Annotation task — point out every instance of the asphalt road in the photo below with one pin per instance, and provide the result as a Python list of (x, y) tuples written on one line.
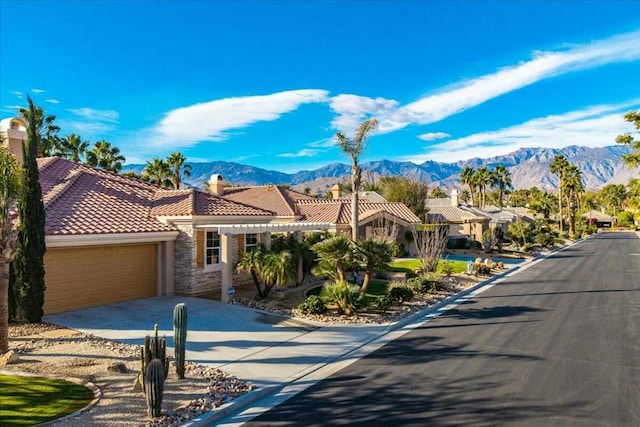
[(557, 344)]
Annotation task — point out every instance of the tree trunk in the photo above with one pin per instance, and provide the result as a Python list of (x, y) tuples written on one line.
[(354, 208), (4, 306)]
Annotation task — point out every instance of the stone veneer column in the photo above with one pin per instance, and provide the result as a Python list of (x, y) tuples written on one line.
[(185, 264)]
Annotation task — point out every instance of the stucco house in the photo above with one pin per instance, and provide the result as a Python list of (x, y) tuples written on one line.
[(463, 220)]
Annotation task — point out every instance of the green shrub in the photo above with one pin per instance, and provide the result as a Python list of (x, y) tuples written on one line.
[(527, 247), (343, 295), (410, 275), (400, 293), (313, 305), (423, 284), (544, 239), (558, 241), (447, 268), (383, 302), (625, 219)]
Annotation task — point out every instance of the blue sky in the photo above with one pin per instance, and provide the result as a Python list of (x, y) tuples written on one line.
[(268, 83)]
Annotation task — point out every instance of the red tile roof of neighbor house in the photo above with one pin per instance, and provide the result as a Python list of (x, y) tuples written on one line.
[(279, 200), (80, 199), (339, 211)]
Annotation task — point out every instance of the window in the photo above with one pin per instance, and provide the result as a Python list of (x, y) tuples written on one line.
[(250, 241), (212, 248)]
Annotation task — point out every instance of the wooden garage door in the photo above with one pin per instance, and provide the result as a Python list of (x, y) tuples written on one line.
[(92, 276)]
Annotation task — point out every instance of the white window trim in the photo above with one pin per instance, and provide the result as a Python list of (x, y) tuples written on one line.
[(212, 267), (248, 248)]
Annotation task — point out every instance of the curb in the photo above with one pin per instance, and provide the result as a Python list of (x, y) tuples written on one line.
[(97, 392), (208, 418)]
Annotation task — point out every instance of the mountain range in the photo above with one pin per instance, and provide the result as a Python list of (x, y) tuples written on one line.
[(528, 166)]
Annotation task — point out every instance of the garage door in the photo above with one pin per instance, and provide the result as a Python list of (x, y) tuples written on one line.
[(92, 276)]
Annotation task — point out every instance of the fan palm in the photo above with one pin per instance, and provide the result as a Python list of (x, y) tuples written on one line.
[(335, 252), (71, 147), (373, 254), (574, 187), (158, 172), (104, 156), (176, 162), (354, 147), (502, 178), (467, 175), (557, 167), (46, 130)]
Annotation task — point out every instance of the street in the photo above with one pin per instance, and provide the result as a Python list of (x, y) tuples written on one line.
[(556, 344)]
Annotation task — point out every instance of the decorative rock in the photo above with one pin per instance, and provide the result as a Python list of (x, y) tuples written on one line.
[(118, 367), (9, 357)]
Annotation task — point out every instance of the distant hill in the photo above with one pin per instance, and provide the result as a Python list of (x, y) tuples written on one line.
[(528, 167)]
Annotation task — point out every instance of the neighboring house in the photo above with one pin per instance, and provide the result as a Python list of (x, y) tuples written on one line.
[(600, 220), (112, 238), (463, 220), (13, 131)]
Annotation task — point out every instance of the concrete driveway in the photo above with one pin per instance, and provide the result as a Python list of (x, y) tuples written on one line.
[(218, 333)]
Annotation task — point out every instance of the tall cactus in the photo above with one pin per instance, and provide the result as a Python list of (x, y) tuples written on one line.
[(154, 348), (180, 318), (154, 384)]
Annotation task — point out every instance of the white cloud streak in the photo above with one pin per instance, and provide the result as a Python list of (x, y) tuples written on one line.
[(52, 101), (467, 94), (89, 122), (108, 116), (211, 121), (38, 91), (305, 152), (18, 94), (591, 127), (432, 136), (352, 109)]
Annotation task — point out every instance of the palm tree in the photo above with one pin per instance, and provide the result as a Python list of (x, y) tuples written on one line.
[(467, 175), (354, 148), (631, 159), (302, 256), (334, 253), (465, 196), (278, 269), (104, 156), (176, 162), (71, 147), (158, 172), (46, 130), (10, 181), (483, 179), (374, 254), (557, 167), (438, 193), (573, 185), (502, 178), (251, 262)]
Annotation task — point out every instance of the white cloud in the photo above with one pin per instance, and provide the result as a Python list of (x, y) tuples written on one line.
[(211, 121), (352, 109), (432, 136), (591, 127), (52, 101), (543, 65), (108, 116), (305, 152), (38, 90), (17, 93)]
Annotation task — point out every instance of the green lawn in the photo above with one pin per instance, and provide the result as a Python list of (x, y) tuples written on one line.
[(411, 265), (26, 401)]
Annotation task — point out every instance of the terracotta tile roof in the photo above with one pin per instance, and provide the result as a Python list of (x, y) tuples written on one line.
[(278, 200), (339, 211), (209, 204), (82, 200), (455, 213)]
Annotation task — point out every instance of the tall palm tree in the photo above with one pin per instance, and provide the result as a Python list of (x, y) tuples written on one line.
[(251, 262), (467, 174), (334, 253), (10, 181), (354, 147), (158, 172), (46, 130), (374, 254), (71, 147), (631, 159), (557, 167), (502, 178), (278, 269), (176, 162), (483, 179), (104, 156), (572, 182)]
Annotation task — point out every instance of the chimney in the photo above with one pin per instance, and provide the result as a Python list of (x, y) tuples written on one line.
[(14, 132), (454, 197), (216, 185), (335, 192)]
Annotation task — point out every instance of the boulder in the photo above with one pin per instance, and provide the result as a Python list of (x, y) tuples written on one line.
[(9, 357), (118, 367)]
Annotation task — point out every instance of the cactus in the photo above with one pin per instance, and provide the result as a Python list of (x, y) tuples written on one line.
[(154, 384), (154, 348), (180, 318)]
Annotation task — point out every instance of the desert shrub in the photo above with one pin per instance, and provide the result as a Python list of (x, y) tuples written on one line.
[(558, 241), (383, 302), (313, 305), (410, 275), (447, 268), (544, 239), (400, 292), (481, 269), (527, 247), (625, 219), (424, 284)]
